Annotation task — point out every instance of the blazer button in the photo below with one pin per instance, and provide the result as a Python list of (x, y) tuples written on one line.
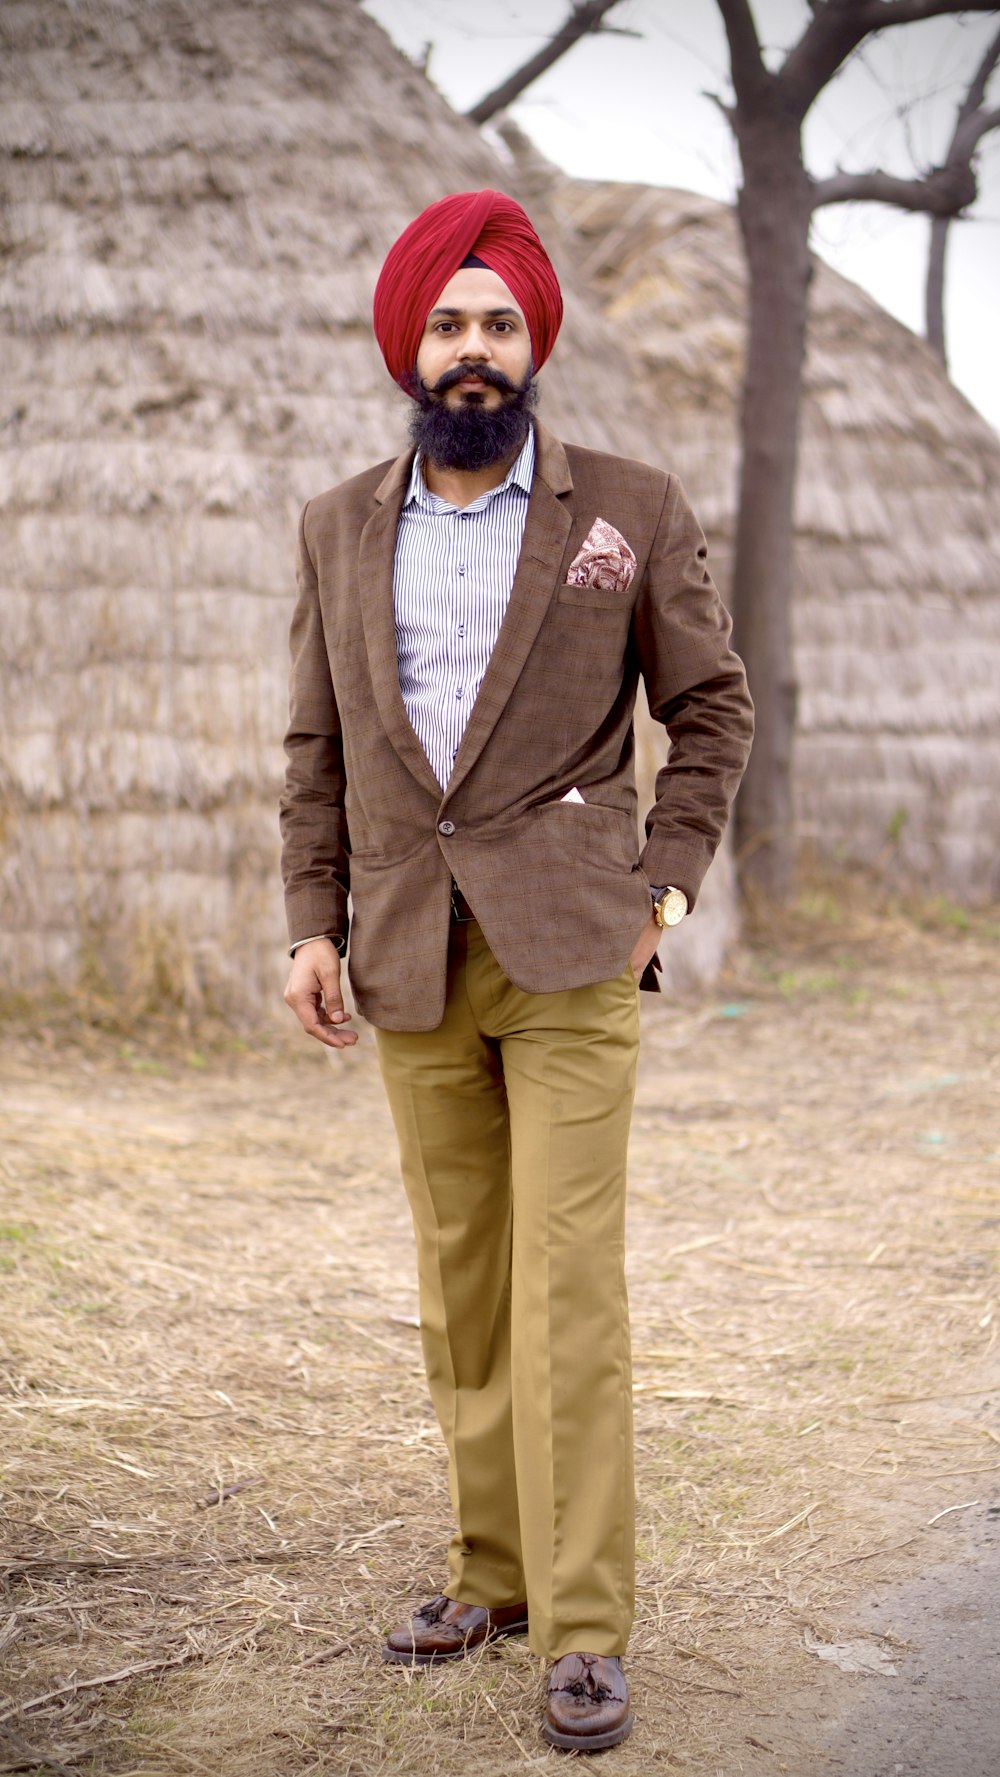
[(447, 828)]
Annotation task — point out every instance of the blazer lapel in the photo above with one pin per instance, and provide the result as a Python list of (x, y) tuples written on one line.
[(376, 555), (546, 532)]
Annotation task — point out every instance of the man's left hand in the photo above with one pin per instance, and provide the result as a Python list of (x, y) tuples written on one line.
[(645, 947)]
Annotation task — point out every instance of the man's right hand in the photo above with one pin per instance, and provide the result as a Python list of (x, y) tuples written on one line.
[(313, 992)]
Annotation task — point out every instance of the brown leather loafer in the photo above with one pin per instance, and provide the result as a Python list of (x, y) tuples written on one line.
[(446, 1629), (587, 1708)]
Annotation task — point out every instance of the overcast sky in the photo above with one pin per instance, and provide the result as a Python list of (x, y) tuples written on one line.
[(634, 108)]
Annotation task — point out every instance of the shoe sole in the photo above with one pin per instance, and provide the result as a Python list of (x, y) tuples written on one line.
[(588, 1742), (460, 1653)]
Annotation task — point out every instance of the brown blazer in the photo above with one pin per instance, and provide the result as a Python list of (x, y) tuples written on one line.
[(560, 888)]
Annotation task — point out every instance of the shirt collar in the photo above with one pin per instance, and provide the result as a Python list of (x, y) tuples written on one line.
[(518, 475)]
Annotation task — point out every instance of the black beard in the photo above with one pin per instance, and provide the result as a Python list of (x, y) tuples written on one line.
[(472, 436)]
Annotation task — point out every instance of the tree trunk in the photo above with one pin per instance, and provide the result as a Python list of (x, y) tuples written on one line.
[(774, 212), (934, 305)]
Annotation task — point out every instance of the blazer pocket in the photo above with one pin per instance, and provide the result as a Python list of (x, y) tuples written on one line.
[(600, 830), (360, 837), (593, 596)]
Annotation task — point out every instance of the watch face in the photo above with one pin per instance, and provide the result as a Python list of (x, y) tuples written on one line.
[(672, 905)]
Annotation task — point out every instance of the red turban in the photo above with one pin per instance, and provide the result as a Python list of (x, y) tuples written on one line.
[(429, 253)]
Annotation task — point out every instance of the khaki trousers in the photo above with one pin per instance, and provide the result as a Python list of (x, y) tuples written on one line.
[(513, 1121)]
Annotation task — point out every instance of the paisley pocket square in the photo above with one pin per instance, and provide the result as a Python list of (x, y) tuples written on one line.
[(604, 560)]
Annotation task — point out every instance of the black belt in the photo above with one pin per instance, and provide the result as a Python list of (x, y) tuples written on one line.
[(461, 912)]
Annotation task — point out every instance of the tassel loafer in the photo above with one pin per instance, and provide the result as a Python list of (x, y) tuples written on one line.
[(446, 1629), (587, 1708)]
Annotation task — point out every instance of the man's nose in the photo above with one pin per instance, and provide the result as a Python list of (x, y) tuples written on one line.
[(475, 344)]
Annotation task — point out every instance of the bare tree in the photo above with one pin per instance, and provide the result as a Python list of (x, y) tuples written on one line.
[(971, 125), (775, 205)]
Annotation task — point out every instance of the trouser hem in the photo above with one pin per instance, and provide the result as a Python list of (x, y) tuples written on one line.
[(551, 1641)]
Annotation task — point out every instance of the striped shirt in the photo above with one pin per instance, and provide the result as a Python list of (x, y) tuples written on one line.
[(452, 579)]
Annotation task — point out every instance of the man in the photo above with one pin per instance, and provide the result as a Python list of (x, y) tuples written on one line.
[(471, 624)]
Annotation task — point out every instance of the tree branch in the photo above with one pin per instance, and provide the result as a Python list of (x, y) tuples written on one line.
[(967, 140), (717, 99), (745, 60), (980, 80), (835, 31), (945, 191), (832, 34), (971, 125), (583, 18), (934, 332), (878, 15)]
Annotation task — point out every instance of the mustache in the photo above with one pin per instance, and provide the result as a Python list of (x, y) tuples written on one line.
[(487, 373)]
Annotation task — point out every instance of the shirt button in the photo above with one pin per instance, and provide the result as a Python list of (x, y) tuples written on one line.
[(447, 828)]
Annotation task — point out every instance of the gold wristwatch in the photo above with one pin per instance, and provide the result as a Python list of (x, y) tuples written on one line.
[(669, 906)]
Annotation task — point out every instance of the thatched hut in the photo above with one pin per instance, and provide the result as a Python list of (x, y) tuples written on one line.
[(197, 201)]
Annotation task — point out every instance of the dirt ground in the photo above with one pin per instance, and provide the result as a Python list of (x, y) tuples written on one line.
[(220, 1475)]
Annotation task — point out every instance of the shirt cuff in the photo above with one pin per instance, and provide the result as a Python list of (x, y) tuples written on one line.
[(339, 944)]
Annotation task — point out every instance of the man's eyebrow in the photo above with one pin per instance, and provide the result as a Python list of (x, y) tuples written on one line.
[(491, 314)]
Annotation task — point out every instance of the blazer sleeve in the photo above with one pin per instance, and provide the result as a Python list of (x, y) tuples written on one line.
[(315, 855), (696, 686)]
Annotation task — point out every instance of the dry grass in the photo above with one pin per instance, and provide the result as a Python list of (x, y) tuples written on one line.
[(221, 1479)]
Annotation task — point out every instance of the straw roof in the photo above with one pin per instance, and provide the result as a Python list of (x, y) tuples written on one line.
[(198, 198)]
